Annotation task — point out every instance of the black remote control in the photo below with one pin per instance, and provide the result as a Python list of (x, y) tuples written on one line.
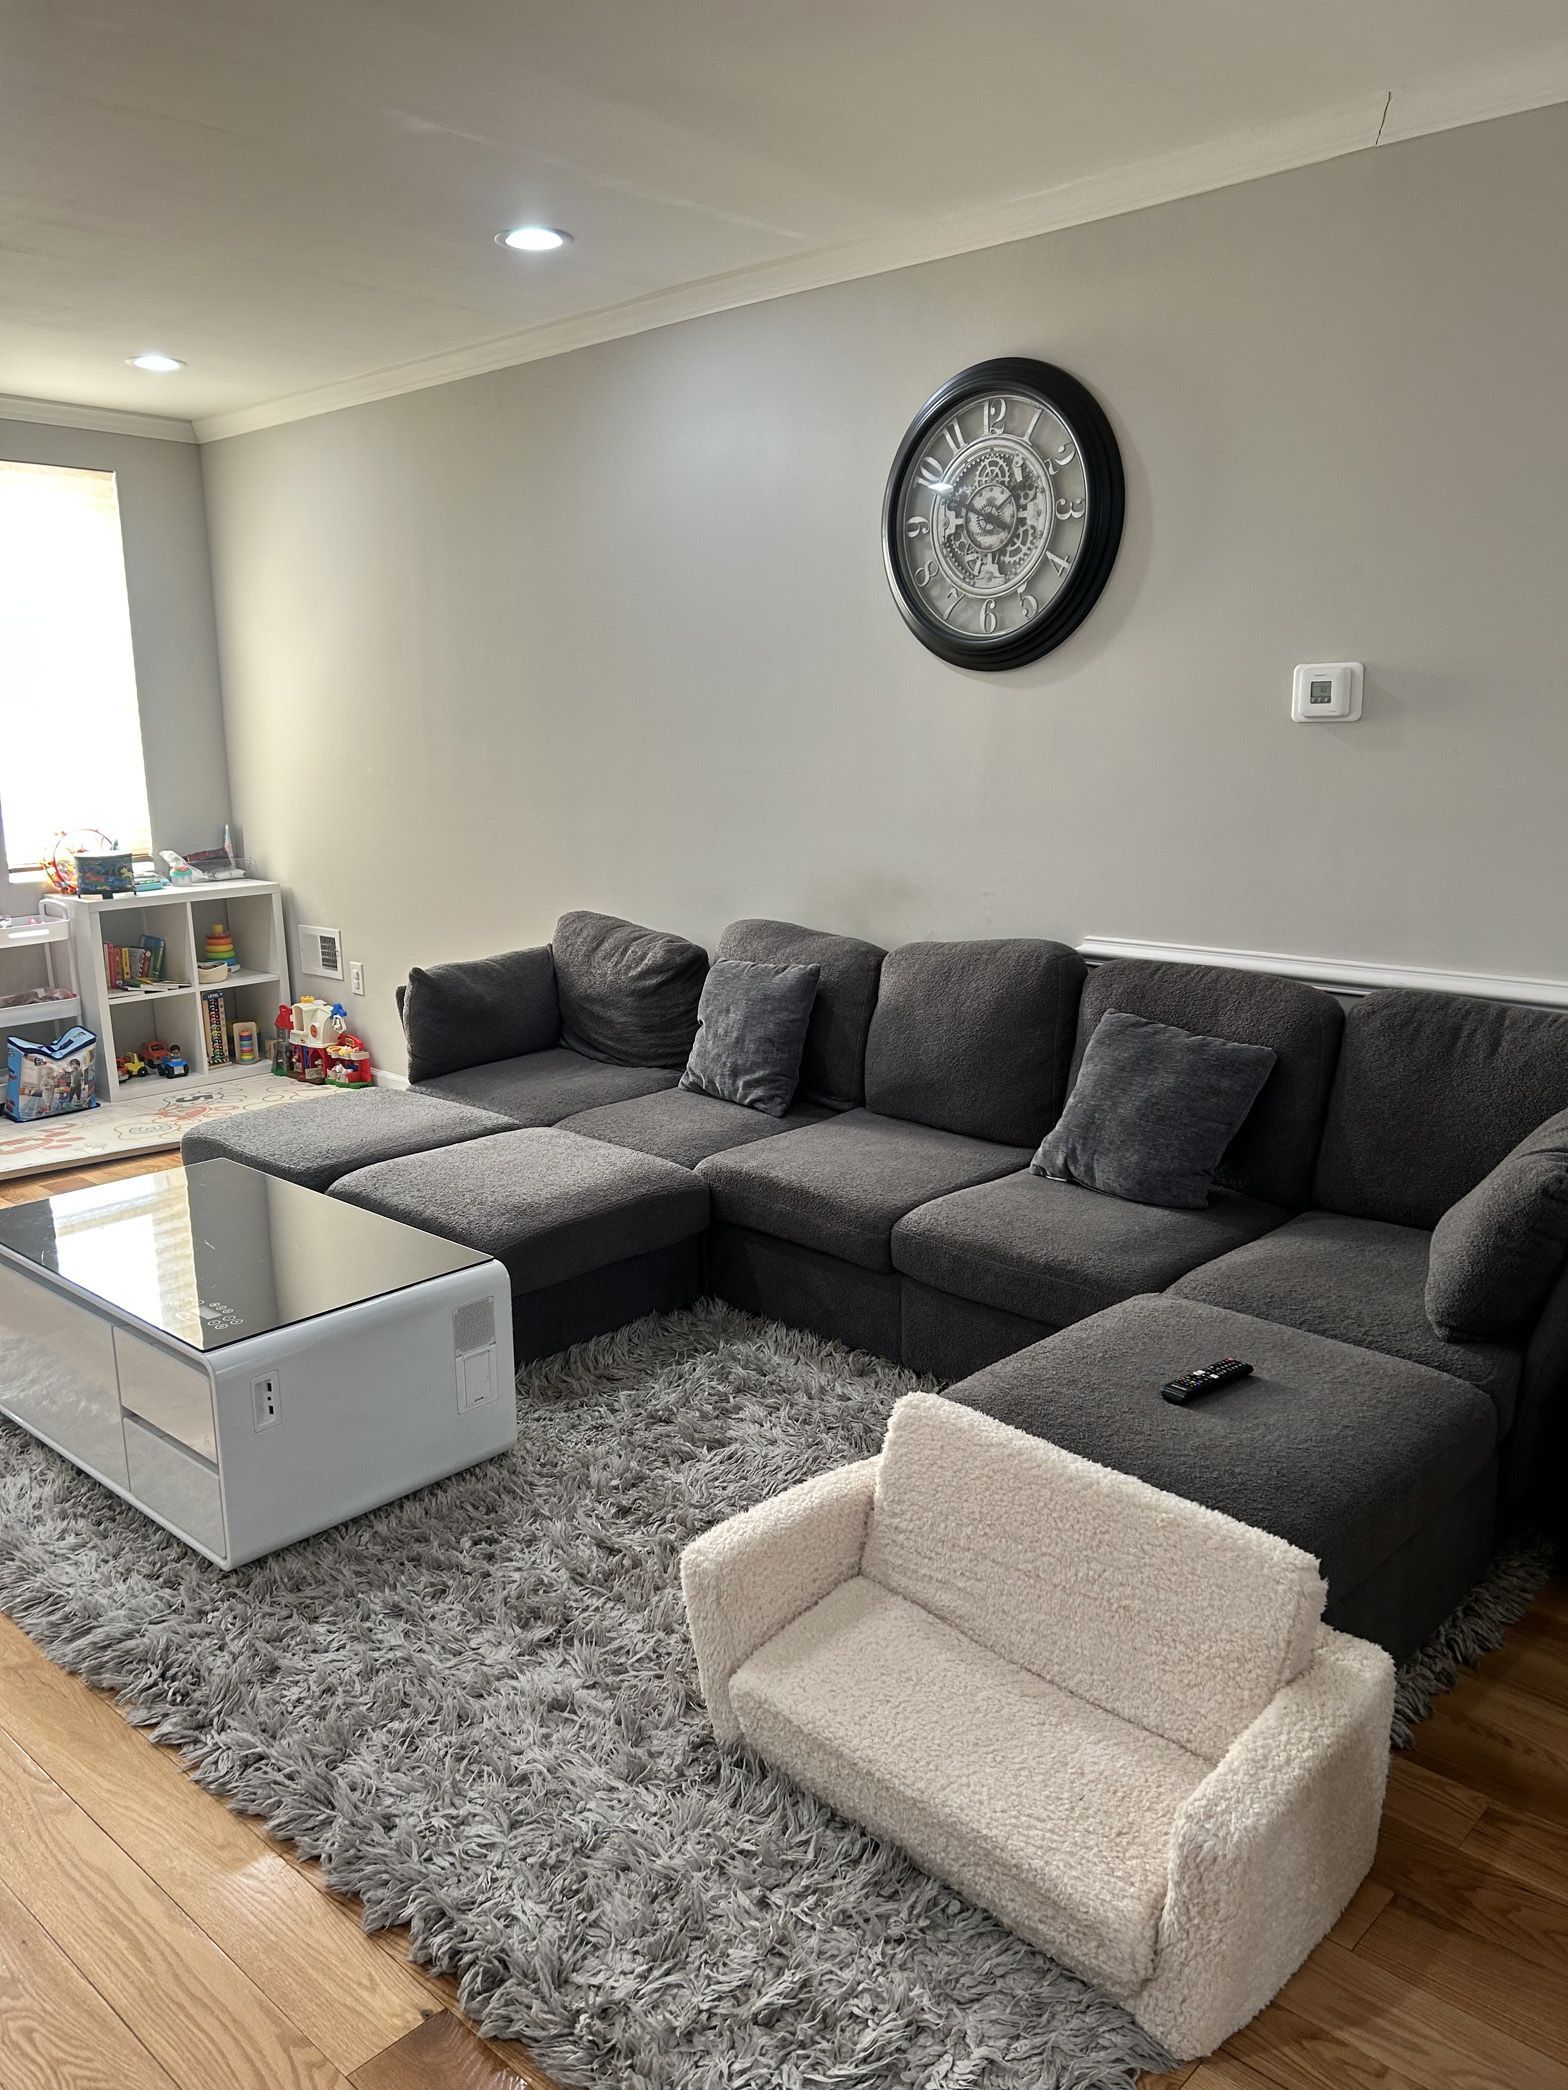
[(1188, 1389)]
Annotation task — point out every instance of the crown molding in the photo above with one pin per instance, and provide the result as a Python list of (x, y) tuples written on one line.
[(1378, 120), (1344, 976), (1218, 164), (1512, 88), (107, 420)]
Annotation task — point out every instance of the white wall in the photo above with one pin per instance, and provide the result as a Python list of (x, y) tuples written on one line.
[(612, 630), (168, 582)]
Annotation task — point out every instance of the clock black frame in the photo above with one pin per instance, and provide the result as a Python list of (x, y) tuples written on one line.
[(1102, 463)]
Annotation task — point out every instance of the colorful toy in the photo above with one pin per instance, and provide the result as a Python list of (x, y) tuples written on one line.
[(283, 1025), (156, 1050), (215, 1027), (245, 1039), (350, 1068), (173, 1067), (218, 947), (60, 864), (129, 1065)]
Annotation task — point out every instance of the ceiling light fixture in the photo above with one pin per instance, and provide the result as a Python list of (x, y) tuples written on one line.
[(533, 239), (154, 359)]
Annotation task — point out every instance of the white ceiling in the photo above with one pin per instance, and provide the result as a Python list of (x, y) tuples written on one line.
[(299, 197)]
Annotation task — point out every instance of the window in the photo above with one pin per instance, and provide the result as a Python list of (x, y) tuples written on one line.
[(70, 735)]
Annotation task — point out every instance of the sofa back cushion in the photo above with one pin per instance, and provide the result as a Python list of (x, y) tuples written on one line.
[(1271, 1156), (475, 1010), (628, 995), (833, 1065), (1151, 1607), (1432, 1091), (976, 1037)]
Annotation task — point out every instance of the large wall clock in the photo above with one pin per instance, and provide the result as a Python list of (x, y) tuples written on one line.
[(1003, 513)]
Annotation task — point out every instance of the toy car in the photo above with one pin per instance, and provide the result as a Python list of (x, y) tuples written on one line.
[(156, 1051), (172, 1065), (130, 1064)]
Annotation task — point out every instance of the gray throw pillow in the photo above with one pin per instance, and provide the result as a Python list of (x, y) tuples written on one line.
[(1496, 1254), (628, 995), (751, 1032), (1152, 1111), (475, 1010)]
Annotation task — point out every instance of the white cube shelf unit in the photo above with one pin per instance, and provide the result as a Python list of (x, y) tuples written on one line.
[(251, 909)]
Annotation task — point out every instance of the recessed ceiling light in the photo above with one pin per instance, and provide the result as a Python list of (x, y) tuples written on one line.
[(154, 359), (533, 239)]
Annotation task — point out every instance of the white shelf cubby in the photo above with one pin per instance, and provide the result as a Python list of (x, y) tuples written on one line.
[(251, 909)]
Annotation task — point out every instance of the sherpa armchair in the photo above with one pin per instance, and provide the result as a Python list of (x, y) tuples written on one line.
[(1110, 1716)]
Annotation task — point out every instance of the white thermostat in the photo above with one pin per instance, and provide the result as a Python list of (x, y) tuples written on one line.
[(1327, 689)]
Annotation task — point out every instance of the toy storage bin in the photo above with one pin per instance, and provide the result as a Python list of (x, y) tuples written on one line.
[(51, 1081)]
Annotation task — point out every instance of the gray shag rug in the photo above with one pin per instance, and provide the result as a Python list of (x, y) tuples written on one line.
[(478, 1709)]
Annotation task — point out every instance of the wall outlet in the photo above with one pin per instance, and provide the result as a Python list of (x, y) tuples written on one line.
[(264, 1399), (356, 976)]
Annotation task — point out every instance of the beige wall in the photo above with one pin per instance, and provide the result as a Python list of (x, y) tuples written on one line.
[(612, 630), (163, 525)]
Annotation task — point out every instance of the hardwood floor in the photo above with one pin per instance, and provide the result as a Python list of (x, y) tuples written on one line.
[(152, 1940)]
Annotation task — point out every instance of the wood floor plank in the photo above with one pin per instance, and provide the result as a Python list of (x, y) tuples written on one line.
[(1459, 1888), (1223, 2071), (441, 2055), (1504, 1743), (1425, 1800), (1366, 1905), (190, 2005), (1173, 2078), (307, 1952), (1533, 1658), (1533, 1851), (1527, 2002), (1411, 2028), (1291, 2054), (56, 2031)]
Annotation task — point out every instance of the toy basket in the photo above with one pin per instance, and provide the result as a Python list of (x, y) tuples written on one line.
[(51, 1081)]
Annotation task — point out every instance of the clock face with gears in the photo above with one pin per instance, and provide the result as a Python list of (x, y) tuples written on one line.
[(1003, 513)]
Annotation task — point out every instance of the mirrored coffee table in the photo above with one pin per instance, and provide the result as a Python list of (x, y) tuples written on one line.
[(245, 1360)]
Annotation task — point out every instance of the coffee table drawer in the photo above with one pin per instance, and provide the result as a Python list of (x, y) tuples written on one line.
[(175, 1397), (59, 1373), (175, 1485)]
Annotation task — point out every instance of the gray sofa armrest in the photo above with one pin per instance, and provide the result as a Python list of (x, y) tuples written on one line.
[(747, 1578), (476, 1010)]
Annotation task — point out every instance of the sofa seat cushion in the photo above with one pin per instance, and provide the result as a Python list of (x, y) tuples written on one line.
[(547, 1204), (541, 1088), (869, 1702), (1054, 1251), (681, 1125), (1342, 1451), (1360, 1281), (843, 1185), (316, 1139)]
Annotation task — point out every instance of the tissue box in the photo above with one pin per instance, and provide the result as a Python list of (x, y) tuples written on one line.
[(50, 1081)]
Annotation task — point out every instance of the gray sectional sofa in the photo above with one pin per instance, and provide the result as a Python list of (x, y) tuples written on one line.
[(893, 1207)]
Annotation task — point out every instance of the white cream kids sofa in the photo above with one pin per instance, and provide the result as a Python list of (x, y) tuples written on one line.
[(1109, 1715)]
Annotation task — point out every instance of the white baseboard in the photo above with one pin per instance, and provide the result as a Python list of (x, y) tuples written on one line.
[(1347, 976), (387, 1080)]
